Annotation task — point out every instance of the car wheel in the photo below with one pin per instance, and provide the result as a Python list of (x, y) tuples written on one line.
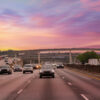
[(9, 72), (23, 72), (40, 76), (53, 76), (32, 72)]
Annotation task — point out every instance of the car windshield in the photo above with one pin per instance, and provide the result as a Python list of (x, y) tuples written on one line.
[(4, 66), (46, 67), (27, 66), (17, 66)]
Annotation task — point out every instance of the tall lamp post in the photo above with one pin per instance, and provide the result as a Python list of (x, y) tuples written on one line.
[(39, 58)]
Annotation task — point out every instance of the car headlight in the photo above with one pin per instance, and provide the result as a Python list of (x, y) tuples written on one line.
[(37, 66), (52, 71), (41, 71)]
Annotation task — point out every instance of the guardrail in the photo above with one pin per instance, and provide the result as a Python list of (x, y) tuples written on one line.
[(90, 68)]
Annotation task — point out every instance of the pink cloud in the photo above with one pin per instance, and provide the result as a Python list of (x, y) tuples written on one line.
[(74, 29), (79, 40), (92, 4), (41, 20)]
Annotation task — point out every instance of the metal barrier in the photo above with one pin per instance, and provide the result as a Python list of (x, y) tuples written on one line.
[(90, 68)]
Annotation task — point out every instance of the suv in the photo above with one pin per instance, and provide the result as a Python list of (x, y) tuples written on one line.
[(27, 68), (60, 66), (5, 69), (47, 70), (17, 68)]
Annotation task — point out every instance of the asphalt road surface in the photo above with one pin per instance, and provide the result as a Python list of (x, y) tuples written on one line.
[(67, 85)]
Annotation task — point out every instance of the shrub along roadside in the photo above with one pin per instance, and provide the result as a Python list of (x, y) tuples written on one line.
[(84, 57)]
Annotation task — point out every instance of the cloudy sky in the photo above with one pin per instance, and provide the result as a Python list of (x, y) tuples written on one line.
[(34, 24)]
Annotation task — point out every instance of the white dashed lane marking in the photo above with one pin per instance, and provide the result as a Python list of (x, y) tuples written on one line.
[(69, 83), (20, 91), (85, 98)]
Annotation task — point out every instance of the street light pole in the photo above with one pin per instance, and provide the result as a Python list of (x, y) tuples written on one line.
[(39, 58)]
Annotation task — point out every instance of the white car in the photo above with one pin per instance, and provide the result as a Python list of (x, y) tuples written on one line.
[(5, 69), (47, 70), (27, 68)]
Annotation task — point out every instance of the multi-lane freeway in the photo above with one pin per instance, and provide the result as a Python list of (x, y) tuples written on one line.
[(67, 85)]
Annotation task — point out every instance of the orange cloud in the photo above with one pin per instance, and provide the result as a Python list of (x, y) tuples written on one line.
[(14, 37)]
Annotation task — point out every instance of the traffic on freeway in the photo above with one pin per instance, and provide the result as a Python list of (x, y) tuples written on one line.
[(49, 49), (47, 83)]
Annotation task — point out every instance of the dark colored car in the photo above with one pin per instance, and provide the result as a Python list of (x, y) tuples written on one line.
[(18, 69), (60, 66), (5, 69), (36, 66), (47, 71)]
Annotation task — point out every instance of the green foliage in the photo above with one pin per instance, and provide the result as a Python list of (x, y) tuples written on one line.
[(84, 57)]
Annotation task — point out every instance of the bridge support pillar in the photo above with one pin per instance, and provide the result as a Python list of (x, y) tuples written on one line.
[(70, 57), (39, 58)]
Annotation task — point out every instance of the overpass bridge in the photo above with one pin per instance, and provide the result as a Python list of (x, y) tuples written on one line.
[(37, 54), (66, 49)]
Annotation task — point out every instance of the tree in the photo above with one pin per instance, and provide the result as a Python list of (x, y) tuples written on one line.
[(84, 57)]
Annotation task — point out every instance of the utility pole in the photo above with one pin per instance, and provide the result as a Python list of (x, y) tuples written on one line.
[(30, 61), (39, 58)]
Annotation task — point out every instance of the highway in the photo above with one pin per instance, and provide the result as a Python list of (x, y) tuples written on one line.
[(67, 85)]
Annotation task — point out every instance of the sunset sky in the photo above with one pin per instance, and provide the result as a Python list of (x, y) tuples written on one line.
[(35, 24)]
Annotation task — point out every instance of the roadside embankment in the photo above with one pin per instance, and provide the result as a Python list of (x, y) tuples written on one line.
[(87, 70)]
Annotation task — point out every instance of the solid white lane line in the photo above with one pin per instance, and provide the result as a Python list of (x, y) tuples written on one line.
[(69, 83), (20, 91), (84, 96)]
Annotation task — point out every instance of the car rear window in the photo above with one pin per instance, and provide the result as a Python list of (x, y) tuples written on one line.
[(27, 66), (4, 66)]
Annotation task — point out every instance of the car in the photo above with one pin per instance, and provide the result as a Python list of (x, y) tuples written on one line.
[(27, 68), (36, 66), (60, 66), (5, 69), (47, 70), (17, 68)]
